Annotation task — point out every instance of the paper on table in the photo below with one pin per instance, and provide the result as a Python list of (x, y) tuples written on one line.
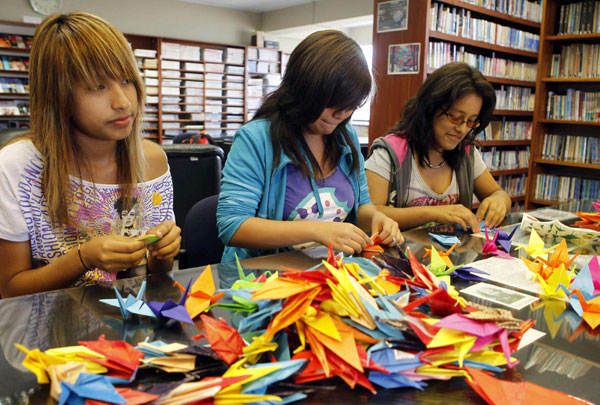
[(529, 337), (513, 273), (499, 295), (550, 214)]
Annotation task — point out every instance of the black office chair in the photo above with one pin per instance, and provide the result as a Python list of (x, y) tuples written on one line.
[(6, 134), (200, 238), (196, 172)]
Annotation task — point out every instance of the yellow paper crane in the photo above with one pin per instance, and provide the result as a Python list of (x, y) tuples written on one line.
[(535, 246)]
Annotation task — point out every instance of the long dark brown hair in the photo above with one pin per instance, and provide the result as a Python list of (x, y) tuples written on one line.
[(326, 70), (441, 89)]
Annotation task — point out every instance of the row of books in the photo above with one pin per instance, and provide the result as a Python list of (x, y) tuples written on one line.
[(582, 17), (15, 41), (507, 130), (513, 185), (14, 63), (502, 159), (13, 108), (527, 10), (576, 105), (570, 148), (266, 55), (576, 60), (441, 53), (14, 85), (514, 98), (550, 187), (459, 22)]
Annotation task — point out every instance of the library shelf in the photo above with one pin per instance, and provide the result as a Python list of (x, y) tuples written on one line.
[(565, 122), (14, 73), (508, 172), (508, 142), (480, 44), (564, 163), (543, 202), (573, 38), (514, 112), (511, 82), (571, 79), (551, 44), (506, 18), (22, 51), (14, 95), (14, 117)]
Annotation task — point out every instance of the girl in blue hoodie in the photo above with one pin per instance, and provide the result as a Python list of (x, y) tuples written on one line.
[(294, 175)]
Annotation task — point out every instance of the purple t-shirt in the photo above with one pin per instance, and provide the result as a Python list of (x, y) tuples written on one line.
[(335, 193)]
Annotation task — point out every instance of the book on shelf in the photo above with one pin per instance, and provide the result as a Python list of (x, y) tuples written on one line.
[(576, 60), (505, 130), (527, 10), (14, 63), (13, 108), (571, 148), (582, 17), (144, 53), (501, 159), (575, 105), (514, 98), (442, 53), (551, 187)]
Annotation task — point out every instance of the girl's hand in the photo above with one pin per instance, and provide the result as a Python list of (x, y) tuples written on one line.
[(493, 209), (456, 214), (343, 236), (170, 240), (112, 253), (387, 228)]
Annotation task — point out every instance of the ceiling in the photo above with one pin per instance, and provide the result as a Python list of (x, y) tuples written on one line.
[(257, 6)]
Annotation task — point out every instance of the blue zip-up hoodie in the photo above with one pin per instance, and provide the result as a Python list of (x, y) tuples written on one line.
[(252, 187)]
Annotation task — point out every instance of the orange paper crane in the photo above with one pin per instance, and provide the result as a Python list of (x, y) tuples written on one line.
[(444, 255), (201, 295), (591, 309), (559, 256)]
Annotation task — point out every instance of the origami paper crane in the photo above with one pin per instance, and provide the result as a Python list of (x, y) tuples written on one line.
[(172, 310), (440, 264), (196, 392), (131, 305), (490, 247), (496, 391), (504, 240), (535, 246), (223, 339), (590, 308), (132, 397), (589, 220), (444, 240), (201, 295), (122, 359), (89, 386), (68, 372)]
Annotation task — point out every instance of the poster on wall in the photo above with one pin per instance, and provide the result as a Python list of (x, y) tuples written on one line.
[(403, 59), (392, 16)]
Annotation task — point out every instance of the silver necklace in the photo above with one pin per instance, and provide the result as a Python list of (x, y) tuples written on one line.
[(428, 163)]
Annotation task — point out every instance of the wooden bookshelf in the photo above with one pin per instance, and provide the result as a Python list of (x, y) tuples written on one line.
[(13, 101), (393, 91), (546, 161)]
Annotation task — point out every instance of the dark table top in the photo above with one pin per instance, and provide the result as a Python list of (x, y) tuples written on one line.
[(566, 358)]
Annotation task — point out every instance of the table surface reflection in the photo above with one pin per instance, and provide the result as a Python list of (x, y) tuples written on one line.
[(566, 358)]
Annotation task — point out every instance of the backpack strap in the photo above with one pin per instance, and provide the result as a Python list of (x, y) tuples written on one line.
[(398, 149), (464, 177)]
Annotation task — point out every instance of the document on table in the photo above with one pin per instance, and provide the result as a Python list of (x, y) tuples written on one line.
[(513, 273), (499, 295)]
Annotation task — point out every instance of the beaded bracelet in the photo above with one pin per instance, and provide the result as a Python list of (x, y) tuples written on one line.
[(81, 258)]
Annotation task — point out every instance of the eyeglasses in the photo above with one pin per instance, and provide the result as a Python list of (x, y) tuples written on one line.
[(459, 121)]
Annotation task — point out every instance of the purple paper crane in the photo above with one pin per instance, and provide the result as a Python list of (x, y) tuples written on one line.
[(172, 310)]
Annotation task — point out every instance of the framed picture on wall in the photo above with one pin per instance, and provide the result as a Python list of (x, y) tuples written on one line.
[(392, 15), (403, 59)]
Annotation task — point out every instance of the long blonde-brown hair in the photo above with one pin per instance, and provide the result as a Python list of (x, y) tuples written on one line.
[(68, 49)]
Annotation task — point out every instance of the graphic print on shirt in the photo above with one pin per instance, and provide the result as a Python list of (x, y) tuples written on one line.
[(93, 210)]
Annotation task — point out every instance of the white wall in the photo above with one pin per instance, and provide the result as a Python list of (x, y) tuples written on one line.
[(321, 11), (166, 18)]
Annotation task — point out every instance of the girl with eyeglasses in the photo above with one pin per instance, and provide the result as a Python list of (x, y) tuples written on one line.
[(427, 169)]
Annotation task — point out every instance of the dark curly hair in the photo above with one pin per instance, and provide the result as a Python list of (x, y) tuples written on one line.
[(441, 89), (326, 70)]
